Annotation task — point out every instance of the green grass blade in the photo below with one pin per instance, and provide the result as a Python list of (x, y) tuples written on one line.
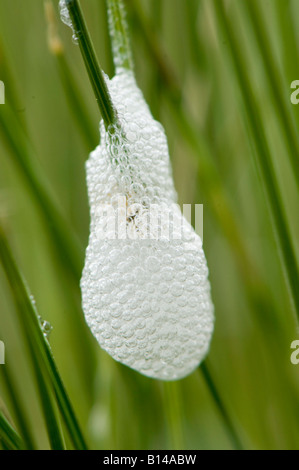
[(208, 174), (264, 162), (88, 130), (20, 414), (17, 142), (286, 28), (65, 242), (209, 180), (64, 404), (172, 404), (92, 66), (52, 423), (122, 55), (8, 436), (235, 439), (12, 94), (274, 80), (72, 92), (260, 299), (33, 330), (155, 47)]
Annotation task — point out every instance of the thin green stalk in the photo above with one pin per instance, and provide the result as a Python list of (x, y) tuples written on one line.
[(236, 441), (33, 330), (94, 71), (208, 174), (264, 162), (192, 14), (122, 55), (286, 22), (18, 408), (211, 185), (65, 243), (89, 131), (52, 423), (8, 436), (172, 401), (123, 59), (72, 92), (69, 251), (274, 80), (11, 92), (158, 55), (256, 290)]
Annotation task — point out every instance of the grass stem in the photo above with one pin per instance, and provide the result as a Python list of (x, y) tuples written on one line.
[(174, 415), (94, 71), (236, 441), (122, 55), (263, 160), (31, 326), (75, 99), (8, 436)]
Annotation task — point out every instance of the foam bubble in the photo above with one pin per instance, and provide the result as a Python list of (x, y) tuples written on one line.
[(66, 19)]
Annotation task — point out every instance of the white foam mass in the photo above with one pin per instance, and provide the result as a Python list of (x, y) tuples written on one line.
[(146, 295)]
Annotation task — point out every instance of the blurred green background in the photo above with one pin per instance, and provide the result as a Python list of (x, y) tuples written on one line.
[(217, 74)]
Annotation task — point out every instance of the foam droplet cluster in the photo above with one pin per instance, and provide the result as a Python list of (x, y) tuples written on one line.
[(146, 295), (65, 18)]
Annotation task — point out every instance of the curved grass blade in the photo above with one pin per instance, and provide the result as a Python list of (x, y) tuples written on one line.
[(209, 180), (264, 162), (8, 436), (65, 243), (92, 66), (52, 423), (256, 290), (118, 29), (33, 330), (208, 173), (172, 403), (235, 439), (275, 87), (20, 413), (11, 92), (72, 91), (286, 24), (160, 59), (16, 139)]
